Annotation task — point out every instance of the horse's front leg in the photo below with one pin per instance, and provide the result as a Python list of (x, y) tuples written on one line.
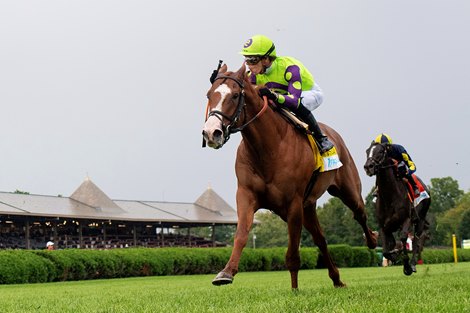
[(294, 226), (388, 244), (245, 210), (407, 269)]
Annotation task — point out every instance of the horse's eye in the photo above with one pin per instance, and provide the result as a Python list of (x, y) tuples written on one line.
[(235, 96)]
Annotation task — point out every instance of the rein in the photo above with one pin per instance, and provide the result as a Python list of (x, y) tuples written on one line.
[(230, 128), (265, 106)]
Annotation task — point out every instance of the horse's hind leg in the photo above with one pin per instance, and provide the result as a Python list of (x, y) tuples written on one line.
[(312, 224), (414, 257), (422, 210), (420, 235), (352, 198), (294, 225)]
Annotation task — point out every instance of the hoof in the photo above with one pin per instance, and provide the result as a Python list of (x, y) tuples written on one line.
[(222, 279), (407, 271), (413, 268), (407, 268), (340, 285)]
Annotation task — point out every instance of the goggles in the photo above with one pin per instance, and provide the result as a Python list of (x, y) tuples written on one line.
[(252, 60)]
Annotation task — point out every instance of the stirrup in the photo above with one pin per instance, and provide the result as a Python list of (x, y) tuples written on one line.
[(324, 144)]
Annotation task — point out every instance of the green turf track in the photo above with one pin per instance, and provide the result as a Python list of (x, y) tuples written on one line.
[(435, 288)]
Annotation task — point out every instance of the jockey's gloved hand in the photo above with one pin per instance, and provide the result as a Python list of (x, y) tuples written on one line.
[(268, 93), (213, 76), (402, 169)]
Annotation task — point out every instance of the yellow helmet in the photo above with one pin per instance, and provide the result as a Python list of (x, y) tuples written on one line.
[(259, 45), (383, 138)]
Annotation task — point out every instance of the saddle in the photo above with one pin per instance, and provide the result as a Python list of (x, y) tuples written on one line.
[(327, 161), (423, 194), (415, 199), (293, 119)]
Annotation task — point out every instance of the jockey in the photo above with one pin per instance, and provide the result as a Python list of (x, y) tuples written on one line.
[(406, 167), (285, 81)]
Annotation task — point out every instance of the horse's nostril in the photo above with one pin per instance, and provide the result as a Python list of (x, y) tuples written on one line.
[(217, 133)]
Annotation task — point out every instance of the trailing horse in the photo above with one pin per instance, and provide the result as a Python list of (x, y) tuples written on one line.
[(276, 170), (395, 208)]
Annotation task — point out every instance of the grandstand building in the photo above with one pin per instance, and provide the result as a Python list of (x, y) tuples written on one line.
[(90, 219)]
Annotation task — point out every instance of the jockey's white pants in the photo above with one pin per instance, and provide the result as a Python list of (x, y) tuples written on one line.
[(311, 99)]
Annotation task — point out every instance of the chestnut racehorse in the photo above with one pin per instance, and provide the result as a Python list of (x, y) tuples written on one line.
[(275, 171), (395, 210)]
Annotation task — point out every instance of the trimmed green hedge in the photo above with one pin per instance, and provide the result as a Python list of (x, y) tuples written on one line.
[(27, 266), (432, 256), (22, 266)]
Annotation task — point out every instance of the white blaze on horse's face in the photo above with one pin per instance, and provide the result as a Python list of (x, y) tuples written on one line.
[(213, 131), (369, 166), (371, 152)]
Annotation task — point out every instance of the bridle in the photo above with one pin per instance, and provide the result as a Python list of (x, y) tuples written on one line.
[(379, 164), (235, 117)]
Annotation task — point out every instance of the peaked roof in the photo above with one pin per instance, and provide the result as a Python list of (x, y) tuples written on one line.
[(90, 202), (212, 201), (88, 193)]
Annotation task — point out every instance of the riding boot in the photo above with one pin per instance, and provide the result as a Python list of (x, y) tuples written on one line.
[(322, 141), (413, 185)]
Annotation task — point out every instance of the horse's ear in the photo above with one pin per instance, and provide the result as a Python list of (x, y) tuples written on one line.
[(241, 71), (223, 69)]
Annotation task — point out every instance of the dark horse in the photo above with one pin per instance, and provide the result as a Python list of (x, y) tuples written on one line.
[(395, 209), (274, 166)]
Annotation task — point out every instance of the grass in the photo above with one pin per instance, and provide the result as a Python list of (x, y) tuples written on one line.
[(435, 288)]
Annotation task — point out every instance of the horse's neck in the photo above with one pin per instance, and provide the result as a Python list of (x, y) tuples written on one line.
[(388, 182), (265, 133)]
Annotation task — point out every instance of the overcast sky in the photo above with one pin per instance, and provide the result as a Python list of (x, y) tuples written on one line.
[(116, 89)]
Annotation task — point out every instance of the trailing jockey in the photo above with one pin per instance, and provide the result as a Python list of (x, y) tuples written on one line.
[(406, 167)]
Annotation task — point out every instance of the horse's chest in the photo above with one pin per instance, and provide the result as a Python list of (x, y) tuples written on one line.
[(392, 213), (277, 198), (276, 184)]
